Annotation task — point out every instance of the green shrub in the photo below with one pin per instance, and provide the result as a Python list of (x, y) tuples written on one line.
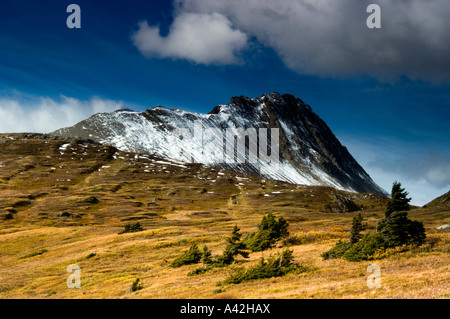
[(191, 256), (219, 290), (11, 210), (337, 251), (260, 240), (36, 253), (92, 200), (8, 216), (136, 285), (395, 232), (206, 256), (132, 228), (91, 255), (199, 270), (417, 233), (366, 248), (397, 229), (269, 231), (276, 266), (207, 261), (234, 247), (357, 228)]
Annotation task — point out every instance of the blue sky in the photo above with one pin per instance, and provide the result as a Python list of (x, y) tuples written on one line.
[(385, 92)]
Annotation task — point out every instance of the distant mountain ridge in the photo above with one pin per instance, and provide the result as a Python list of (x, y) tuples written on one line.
[(308, 152), (442, 201)]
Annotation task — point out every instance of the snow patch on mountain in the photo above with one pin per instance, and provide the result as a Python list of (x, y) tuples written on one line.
[(309, 153)]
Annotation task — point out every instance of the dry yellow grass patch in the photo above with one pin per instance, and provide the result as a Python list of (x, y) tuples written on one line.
[(38, 244)]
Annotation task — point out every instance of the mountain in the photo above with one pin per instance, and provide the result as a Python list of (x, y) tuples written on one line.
[(302, 149), (442, 202)]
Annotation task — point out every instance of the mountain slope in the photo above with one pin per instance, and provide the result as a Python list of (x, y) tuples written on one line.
[(42, 177), (308, 152), (442, 202), (64, 202)]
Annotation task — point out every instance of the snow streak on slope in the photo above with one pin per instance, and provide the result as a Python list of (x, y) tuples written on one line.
[(308, 152)]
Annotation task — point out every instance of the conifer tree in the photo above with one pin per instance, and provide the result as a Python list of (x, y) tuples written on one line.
[(269, 231), (191, 256), (357, 228), (234, 247), (206, 256), (398, 201), (396, 228), (277, 229)]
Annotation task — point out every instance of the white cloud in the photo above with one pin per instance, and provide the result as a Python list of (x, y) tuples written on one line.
[(201, 38), (439, 175), (425, 175), (46, 115), (330, 38), (431, 167)]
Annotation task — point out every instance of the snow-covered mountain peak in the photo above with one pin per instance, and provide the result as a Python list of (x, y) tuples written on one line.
[(281, 138)]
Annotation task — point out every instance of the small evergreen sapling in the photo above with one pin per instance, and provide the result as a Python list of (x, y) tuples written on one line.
[(206, 256), (269, 231), (129, 228), (234, 247), (191, 256), (357, 228), (135, 286)]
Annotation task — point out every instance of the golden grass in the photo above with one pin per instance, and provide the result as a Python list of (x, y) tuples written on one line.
[(175, 212)]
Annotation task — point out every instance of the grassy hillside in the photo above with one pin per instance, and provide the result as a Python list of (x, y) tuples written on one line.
[(64, 202)]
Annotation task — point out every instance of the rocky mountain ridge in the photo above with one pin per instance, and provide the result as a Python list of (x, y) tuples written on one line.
[(281, 138)]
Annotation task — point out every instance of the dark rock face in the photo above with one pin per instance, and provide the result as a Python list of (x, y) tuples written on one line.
[(342, 204), (309, 153)]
